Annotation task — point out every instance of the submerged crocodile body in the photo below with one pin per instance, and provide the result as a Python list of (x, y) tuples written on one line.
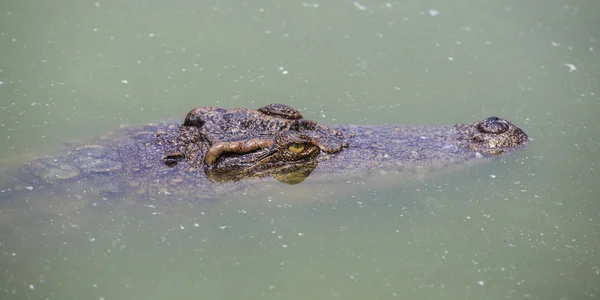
[(216, 150)]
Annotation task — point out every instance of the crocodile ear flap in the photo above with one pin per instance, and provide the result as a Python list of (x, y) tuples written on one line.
[(238, 147)]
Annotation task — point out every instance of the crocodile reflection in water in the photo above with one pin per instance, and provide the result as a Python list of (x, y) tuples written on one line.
[(222, 149)]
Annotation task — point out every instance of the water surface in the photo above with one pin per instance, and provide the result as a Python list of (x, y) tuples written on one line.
[(524, 226)]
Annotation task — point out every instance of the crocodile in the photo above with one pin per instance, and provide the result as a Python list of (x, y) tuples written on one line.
[(216, 150)]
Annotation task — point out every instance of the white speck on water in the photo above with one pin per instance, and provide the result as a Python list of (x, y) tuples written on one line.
[(361, 7), (283, 70), (14, 254), (31, 287), (571, 67), (284, 245), (181, 227), (451, 58), (151, 35), (433, 12), (223, 227), (124, 81), (591, 49), (95, 30), (554, 44), (300, 233), (313, 5), (29, 188), (492, 176), (196, 225), (480, 282), (92, 239), (97, 4), (1, 82)]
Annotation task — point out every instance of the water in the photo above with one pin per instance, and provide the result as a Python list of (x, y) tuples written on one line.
[(524, 226)]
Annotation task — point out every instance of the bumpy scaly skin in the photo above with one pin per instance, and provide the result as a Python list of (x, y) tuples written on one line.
[(224, 125), (412, 147), (218, 150), (289, 154), (492, 136)]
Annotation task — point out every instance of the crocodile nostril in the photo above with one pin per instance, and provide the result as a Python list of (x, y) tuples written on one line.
[(493, 125)]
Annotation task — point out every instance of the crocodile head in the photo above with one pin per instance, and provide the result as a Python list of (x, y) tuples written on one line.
[(225, 125), (492, 136), (272, 140), (289, 156), (233, 144)]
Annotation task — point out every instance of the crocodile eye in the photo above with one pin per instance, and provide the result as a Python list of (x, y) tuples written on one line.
[(297, 147)]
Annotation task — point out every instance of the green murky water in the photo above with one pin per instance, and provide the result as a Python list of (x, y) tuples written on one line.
[(525, 226)]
